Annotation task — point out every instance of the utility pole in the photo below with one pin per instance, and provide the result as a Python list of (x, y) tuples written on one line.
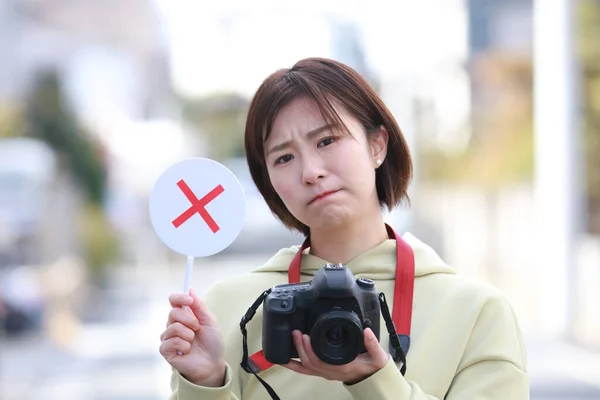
[(557, 188)]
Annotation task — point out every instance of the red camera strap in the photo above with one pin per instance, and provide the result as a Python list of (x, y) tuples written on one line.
[(403, 289)]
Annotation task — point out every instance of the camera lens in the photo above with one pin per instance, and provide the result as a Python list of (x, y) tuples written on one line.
[(337, 337)]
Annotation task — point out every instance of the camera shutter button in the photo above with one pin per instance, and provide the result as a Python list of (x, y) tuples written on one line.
[(365, 283)]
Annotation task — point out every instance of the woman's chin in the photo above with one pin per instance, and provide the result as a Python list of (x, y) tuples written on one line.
[(330, 219)]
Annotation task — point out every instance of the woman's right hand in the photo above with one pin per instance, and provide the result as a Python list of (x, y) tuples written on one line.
[(195, 334)]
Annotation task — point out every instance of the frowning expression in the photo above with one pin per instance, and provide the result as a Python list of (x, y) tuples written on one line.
[(324, 176)]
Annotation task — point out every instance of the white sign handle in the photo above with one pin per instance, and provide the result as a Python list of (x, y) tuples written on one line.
[(188, 280), (188, 276)]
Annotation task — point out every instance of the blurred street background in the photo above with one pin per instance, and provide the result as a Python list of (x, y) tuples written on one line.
[(499, 100)]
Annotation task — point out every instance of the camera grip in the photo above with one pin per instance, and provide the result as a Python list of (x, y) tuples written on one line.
[(277, 341)]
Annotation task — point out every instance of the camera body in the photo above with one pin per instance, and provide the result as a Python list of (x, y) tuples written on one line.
[(333, 309)]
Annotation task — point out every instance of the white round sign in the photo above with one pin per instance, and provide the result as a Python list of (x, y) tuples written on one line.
[(197, 207)]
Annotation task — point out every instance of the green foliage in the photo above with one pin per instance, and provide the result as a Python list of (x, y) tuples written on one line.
[(588, 36), (11, 121), (221, 117), (500, 151), (100, 246), (504, 159), (50, 120)]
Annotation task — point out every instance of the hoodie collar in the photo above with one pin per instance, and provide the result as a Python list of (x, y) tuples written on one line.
[(379, 263)]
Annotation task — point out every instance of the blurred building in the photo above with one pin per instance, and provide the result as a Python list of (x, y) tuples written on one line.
[(501, 65), (505, 25), (347, 45), (111, 55), (500, 43), (112, 58)]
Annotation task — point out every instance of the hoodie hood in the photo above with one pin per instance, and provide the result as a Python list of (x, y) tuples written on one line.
[(378, 263)]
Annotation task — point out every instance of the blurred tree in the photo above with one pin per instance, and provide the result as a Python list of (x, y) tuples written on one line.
[(500, 150), (49, 118), (11, 121), (99, 241), (588, 21), (221, 117)]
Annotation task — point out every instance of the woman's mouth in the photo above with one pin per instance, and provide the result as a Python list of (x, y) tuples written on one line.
[(322, 196)]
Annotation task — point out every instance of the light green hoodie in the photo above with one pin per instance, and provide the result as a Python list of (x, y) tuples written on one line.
[(465, 340)]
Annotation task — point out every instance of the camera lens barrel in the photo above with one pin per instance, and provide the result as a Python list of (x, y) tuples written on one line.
[(337, 337)]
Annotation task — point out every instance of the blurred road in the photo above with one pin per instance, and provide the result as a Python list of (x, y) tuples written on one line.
[(114, 352)]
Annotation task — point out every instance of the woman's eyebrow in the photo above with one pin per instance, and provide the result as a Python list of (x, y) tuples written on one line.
[(310, 134)]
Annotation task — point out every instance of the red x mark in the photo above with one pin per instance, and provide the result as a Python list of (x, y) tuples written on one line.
[(198, 206)]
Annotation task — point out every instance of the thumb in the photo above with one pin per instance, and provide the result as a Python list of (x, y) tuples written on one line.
[(373, 347), (198, 307)]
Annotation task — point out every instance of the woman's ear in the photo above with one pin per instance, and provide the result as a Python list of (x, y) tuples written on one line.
[(379, 142)]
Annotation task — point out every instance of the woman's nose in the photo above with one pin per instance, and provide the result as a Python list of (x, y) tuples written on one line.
[(312, 171)]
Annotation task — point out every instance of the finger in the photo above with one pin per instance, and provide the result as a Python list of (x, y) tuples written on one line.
[(296, 366), (374, 349), (200, 310), (180, 330), (298, 342), (310, 354), (172, 347), (180, 300), (184, 317)]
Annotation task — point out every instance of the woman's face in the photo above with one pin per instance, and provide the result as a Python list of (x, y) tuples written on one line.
[(325, 178)]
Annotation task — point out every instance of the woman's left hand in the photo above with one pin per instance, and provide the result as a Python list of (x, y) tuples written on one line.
[(362, 367)]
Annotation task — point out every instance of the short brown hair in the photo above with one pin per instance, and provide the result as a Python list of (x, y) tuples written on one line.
[(323, 80)]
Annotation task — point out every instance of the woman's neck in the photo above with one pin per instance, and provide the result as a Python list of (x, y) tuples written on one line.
[(343, 244)]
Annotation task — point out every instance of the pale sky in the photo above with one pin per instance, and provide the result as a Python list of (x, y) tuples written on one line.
[(402, 37), (415, 52)]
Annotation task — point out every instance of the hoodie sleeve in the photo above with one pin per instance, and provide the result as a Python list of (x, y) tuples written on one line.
[(492, 367), (185, 390)]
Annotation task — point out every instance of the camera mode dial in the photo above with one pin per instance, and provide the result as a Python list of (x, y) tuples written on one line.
[(365, 283)]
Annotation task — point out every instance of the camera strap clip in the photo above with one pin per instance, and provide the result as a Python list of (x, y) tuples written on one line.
[(399, 344)]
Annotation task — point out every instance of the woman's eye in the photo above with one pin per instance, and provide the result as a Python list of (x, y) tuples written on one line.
[(326, 142), (283, 159)]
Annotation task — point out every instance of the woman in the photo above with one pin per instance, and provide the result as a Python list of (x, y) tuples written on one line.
[(327, 156)]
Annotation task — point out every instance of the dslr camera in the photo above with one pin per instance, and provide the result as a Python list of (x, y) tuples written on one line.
[(333, 309)]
